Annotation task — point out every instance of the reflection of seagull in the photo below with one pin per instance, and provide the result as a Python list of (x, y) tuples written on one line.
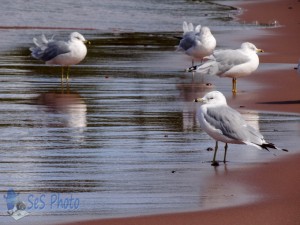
[(198, 42), (60, 52), (227, 125), (69, 104), (230, 63)]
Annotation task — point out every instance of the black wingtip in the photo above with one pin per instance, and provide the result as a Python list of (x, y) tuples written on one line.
[(191, 69), (271, 145), (266, 146)]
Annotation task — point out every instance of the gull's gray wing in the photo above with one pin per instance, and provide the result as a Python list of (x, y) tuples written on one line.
[(49, 50), (188, 40), (222, 61), (55, 48), (226, 59), (232, 125)]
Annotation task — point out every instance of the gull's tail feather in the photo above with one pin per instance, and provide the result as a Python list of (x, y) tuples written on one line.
[(41, 43), (187, 27), (266, 146), (198, 28), (208, 67), (191, 27)]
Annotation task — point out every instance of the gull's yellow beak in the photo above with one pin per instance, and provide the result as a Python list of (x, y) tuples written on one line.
[(259, 50), (199, 100), (87, 42)]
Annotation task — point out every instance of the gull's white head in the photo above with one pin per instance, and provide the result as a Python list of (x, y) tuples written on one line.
[(249, 46), (77, 36), (213, 98)]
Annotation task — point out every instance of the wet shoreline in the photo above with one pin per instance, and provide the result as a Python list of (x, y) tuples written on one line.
[(129, 109), (276, 204)]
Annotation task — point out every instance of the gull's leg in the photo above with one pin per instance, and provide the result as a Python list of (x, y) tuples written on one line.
[(193, 77), (234, 85), (226, 147), (68, 88), (214, 162), (62, 75), (68, 71), (193, 73)]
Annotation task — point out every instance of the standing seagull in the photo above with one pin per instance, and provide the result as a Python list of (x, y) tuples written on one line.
[(227, 125), (198, 42), (230, 63), (60, 52)]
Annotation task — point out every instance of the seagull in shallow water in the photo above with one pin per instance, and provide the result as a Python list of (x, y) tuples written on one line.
[(227, 125), (64, 53), (230, 63), (198, 42)]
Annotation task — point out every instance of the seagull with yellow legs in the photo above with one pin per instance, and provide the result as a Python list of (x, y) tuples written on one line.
[(230, 63), (64, 53)]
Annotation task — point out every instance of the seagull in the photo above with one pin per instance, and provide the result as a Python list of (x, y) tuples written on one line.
[(227, 125), (298, 68), (230, 63), (198, 42), (64, 53)]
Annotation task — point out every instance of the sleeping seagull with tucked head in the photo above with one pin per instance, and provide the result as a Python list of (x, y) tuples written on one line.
[(227, 125), (64, 53), (198, 42)]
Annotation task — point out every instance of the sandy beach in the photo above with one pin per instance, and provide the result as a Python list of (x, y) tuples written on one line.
[(281, 205), (278, 181), (281, 91)]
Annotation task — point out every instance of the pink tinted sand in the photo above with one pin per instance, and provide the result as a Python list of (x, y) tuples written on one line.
[(282, 45), (278, 181)]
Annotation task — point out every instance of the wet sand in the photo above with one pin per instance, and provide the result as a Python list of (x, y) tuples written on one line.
[(280, 207), (278, 181), (281, 45)]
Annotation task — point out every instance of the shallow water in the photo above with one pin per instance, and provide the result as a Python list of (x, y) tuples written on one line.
[(122, 138)]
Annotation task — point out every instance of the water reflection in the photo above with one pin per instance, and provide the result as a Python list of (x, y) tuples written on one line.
[(223, 192), (188, 92), (70, 105), (127, 122)]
